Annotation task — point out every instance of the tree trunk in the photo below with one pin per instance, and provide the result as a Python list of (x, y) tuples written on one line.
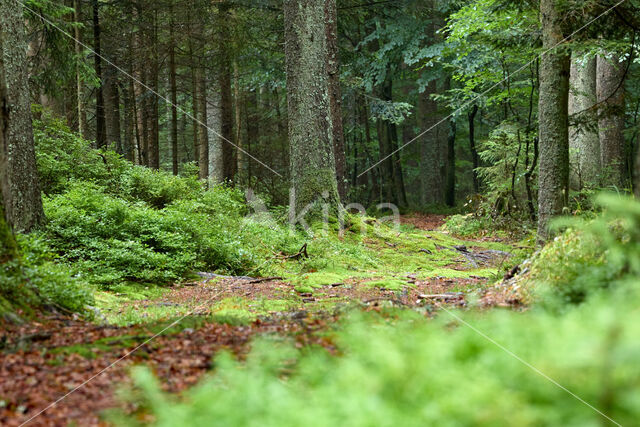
[(174, 96), (253, 130), (429, 147), (216, 172), (584, 145), (129, 114), (252, 119), (100, 119), (312, 162), (82, 113), (387, 193), (237, 133), (450, 191), (139, 91), (194, 105), (475, 160), (112, 110), (203, 133), (335, 95), (153, 139), (226, 98), (610, 91), (373, 175), (553, 121), (19, 184), (226, 116), (398, 176)]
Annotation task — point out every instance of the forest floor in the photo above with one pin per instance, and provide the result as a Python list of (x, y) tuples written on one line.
[(177, 330)]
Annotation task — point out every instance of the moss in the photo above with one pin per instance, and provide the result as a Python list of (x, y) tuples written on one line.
[(390, 284), (236, 317), (110, 305), (314, 189)]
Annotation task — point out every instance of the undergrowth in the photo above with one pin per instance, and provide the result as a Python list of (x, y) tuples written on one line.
[(411, 372), (590, 256), (33, 280), (461, 368)]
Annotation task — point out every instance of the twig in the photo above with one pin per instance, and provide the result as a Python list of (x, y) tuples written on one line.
[(302, 253), (264, 279), (442, 296)]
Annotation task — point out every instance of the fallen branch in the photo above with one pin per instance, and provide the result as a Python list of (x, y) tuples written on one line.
[(302, 253), (264, 279), (441, 296)]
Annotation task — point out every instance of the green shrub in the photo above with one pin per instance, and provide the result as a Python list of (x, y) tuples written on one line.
[(113, 222), (156, 188), (466, 225), (111, 240), (35, 280), (63, 158), (591, 256)]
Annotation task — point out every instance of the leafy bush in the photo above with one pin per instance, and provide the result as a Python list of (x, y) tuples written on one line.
[(113, 222), (158, 189), (466, 225), (35, 280), (113, 240), (63, 157), (591, 256)]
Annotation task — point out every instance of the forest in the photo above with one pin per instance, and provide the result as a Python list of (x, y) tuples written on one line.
[(319, 212)]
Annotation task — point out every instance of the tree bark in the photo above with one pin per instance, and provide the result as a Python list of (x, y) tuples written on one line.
[(82, 113), (174, 95), (112, 110), (139, 91), (335, 95), (475, 160), (100, 119), (153, 139), (19, 184), (128, 145), (610, 90), (373, 176), (226, 97), (194, 105), (429, 147), (252, 118), (398, 174), (237, 133), (312, 162), (386, 167), (216, 172), (553, 121), (584, 145), (203, 132), (450, 191)]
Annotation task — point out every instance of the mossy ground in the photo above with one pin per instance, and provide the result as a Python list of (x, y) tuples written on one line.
[(368, 261)]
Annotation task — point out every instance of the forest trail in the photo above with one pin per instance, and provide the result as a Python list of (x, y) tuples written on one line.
[(41, 362)]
